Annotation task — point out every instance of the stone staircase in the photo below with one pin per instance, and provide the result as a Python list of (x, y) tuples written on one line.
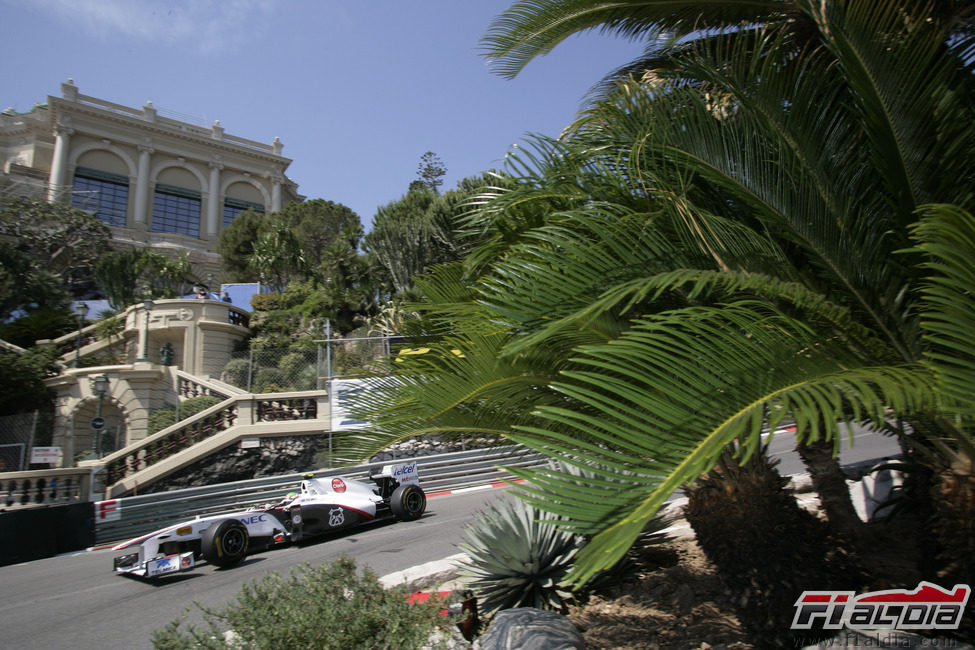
[(158, 353), (239, 416)]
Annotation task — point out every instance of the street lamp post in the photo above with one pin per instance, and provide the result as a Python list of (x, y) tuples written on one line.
[(100, 385), (147, 304), (82, 313)]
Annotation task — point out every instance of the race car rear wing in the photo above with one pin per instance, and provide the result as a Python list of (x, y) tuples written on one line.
[(391, 477)]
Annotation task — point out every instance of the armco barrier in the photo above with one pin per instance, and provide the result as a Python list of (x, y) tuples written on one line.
[(128, 517)]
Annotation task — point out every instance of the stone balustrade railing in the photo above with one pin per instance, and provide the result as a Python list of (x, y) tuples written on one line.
[(45, 487), (75, 484), (188, 385), (277, 408), (169, 441), (240, 409), (68, 344)]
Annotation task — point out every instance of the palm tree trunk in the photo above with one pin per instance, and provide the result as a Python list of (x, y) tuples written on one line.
[(954, 525), (765, 547), (834, 494)]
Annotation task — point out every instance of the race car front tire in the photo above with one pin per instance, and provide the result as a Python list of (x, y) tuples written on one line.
[(225, 543), (408, 502)]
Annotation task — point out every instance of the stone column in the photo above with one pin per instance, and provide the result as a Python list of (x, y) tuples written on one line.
[(59, 166), (213, 202), (276, 180), (64, 423), (142, 185)]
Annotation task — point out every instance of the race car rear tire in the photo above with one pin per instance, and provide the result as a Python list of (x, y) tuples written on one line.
[(408, 502), (225, 543)]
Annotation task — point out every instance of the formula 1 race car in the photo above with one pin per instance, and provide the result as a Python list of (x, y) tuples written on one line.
[(323, 505)]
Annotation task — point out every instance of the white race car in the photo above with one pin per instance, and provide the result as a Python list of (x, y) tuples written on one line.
[(322, 505)]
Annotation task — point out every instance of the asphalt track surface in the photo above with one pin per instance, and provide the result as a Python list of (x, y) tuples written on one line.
[(76, 601)]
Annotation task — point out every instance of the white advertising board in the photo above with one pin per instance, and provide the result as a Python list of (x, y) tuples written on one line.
[(341, 391)]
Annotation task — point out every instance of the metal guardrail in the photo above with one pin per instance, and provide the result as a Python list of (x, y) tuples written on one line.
[(128, 517)]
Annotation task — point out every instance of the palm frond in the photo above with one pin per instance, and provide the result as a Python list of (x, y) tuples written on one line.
[(896, 59), (656, 407), (532, 28), (801, 176), (635, 295), (946, 236), (461, 386)]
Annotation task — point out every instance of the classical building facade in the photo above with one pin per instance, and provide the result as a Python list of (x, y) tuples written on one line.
[(156, 181)]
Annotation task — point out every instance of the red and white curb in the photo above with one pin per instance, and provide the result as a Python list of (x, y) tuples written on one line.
[(474, 488)]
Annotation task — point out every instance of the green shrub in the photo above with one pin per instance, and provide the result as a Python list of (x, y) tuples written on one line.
[(193, 405), (22, 376), (42, 324), (270, 380), (109, 328), (518, 559), (266, 301), (292, 363), (160, 419), (306, 379), (300, 370), (236, 372), (330, 606)]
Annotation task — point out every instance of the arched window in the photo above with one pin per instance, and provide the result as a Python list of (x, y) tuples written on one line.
[(232, 207), (176, 210), (104, 194)]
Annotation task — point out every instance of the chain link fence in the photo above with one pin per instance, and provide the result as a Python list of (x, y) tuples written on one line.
[(19, 433), (279, 370)]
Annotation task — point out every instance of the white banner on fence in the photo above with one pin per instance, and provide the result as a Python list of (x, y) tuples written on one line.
[(50, 455), (340, 393)]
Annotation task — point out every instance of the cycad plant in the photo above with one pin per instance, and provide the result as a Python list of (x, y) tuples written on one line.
[(724, 245)]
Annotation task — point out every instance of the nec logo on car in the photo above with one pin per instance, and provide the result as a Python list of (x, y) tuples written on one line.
[(254, 519), (405, 470)]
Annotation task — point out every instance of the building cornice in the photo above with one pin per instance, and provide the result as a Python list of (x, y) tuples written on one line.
[(61, 107)]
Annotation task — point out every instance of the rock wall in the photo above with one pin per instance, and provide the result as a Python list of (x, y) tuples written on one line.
[(275, 456), (293, 455)]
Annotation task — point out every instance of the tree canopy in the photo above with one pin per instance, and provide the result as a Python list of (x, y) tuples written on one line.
[(236, 245), (47, 255), (126, 277), (431, 171)]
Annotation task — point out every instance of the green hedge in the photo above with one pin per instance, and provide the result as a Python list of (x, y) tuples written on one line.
[(331, 606)]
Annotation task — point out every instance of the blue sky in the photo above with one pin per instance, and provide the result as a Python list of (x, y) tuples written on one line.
[(357, 90)]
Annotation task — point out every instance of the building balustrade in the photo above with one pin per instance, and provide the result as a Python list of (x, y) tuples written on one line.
[(276, 410), (44, 488), (188, 386), (174, 310), (264, 409)]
